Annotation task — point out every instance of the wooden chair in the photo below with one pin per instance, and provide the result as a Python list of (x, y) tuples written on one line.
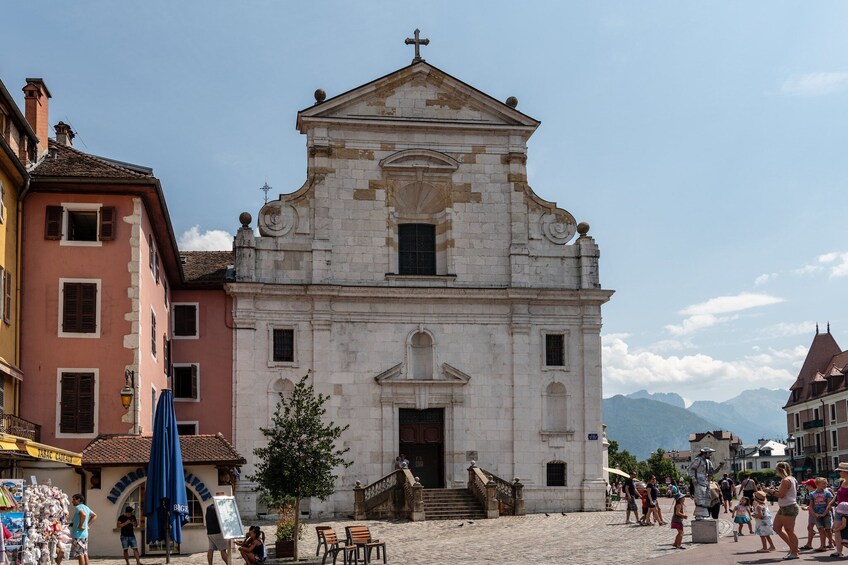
[(360, 536), (350, 553), (321, 541)]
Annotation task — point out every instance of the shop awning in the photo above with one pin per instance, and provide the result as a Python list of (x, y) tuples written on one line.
[(22, 446)]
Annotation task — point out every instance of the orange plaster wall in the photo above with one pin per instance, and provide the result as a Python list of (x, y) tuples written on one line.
[(213, 352)]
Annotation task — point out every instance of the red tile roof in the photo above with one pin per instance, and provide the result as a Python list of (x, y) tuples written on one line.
[(119, 450), (206, 266), (64, 161)]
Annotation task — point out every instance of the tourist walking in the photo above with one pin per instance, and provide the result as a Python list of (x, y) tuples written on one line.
[(631, 496), (841, 496), (726, 486), (214, 535), (677, 519), (787, 502), (839, 525), (127, 523), (820, 504), (83, 517), (748, 487), (763, 523)]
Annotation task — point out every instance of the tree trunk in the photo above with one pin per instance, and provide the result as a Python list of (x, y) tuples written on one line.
[(296, 525)]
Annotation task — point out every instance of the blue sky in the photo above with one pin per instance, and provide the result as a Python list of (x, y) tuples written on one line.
[(704, 142)]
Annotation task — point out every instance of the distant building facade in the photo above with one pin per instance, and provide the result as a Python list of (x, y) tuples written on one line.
[(763, 456), (817, 409), (723, 442)]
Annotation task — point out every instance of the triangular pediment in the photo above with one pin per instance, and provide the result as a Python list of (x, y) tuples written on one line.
[(419, 93), (449, 375)]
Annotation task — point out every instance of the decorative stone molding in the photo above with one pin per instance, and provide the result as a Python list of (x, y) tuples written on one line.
[(277, 219), (558, 227)]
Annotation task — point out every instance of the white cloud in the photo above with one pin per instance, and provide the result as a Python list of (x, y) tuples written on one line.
[(696, 323), (840, 269), (210, 240), (808, 270), (671, 345), (816, 84), (700, 375), (836, 261), (782, 329), (764, 278), (828, 257), (724, 304)]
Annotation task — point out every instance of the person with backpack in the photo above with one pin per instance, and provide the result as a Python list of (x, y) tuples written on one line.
[(748, 487), (726, 486)]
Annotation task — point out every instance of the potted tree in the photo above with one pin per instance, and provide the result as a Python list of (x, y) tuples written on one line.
[(300, 456), (287, 526)]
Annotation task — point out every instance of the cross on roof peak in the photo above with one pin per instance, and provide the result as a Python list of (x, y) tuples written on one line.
[(417, 42)]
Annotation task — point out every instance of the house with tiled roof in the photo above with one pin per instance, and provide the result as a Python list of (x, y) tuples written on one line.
[(817, 409), (724, 443)]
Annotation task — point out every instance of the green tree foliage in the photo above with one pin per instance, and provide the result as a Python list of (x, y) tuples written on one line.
[(661, 467), (301, 453), (621, 459)]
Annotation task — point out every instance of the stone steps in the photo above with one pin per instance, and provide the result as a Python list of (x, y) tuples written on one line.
[(451, 504)]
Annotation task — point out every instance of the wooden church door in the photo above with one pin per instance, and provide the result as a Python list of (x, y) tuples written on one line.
[(422, 443)]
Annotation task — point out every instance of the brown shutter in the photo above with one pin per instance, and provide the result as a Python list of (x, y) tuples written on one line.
[(167, 346), (53, 223), (68, 404), (7, 297), (194, 393), (88, 308), (107, 223), (156, 270), (152, 251), (70, 302), (85, 418)]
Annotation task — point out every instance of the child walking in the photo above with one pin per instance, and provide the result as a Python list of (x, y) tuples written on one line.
[(762, 518), (820, 502), (677, 519), (742, 515), (839, 525)]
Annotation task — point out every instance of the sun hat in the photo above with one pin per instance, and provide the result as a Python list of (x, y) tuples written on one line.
[(843, 467), (842, 508), (760, 495), (707, 450), (680, 495)]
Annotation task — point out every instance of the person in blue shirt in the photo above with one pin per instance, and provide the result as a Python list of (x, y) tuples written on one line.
[(83, 517)]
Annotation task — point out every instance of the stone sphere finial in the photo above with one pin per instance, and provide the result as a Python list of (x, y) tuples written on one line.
[(245, 218), (512, 102), (320, 96), (583, 228), (358, 484), (473, 463)]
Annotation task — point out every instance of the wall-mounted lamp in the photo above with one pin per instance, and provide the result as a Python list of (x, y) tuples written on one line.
[(128, 391)]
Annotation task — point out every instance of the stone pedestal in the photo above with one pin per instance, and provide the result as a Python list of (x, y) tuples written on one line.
[(705, 531)]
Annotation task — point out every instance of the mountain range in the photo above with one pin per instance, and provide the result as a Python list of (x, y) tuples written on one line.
[(641, 421)]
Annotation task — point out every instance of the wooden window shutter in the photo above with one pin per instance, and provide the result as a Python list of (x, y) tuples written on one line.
[(53, 223), (152, 256), (156, 270), (167, 346), (68, 404), (7, 297), (107, 223), (70, 313), (85, 418), (194, 392), (185, 320), (88, 308)]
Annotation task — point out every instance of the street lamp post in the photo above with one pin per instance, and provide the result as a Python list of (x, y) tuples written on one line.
[(127, 395), (790, 445)]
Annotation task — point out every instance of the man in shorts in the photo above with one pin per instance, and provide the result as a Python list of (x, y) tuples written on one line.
[(213, 532), (631, 496), (727, 488), (83, 517), (127, 522)]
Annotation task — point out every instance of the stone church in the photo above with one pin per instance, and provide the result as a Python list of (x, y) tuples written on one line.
[(451, 314)]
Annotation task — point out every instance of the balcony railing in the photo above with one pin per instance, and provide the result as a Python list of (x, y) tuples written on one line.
[(813, 449), (15, 426), (809, 425)]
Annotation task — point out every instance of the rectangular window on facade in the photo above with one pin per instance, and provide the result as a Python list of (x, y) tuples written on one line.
[(798, 421), (80, 223), (283, 346), (835, 462), (554, 350), (7, 297), (184, 320), (186, 382), (832, 411), (556, 474), (833, 436), (417, 249), (187, 429), (749, 465), (2, 203), (76, 404), (79, 307), (765, 465), (166, 345), (152, 251), (153, 333)]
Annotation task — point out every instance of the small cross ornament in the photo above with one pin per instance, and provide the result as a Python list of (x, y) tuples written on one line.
[(417, 42)]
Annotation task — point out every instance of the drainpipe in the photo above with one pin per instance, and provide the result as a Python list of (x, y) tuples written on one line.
[(18, 278)]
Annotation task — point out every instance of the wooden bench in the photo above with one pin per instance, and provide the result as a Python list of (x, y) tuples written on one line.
[(332, 546), (360, 536)]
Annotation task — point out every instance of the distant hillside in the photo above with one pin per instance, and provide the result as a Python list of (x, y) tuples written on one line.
[(640, 425), (641, 422), (752, 415), (668, 397)]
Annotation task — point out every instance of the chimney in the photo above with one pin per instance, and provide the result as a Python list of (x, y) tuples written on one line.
[(36, 99), (64, 134)]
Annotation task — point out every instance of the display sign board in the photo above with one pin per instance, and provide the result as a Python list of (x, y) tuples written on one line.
[(228, 517), (593, 437)]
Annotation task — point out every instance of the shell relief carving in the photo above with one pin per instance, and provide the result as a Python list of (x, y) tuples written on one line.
[(558, 227), (277, 219)]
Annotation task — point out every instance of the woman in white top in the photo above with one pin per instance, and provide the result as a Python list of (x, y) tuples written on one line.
[(784, 522)]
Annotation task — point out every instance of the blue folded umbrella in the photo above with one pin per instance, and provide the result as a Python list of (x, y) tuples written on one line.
[(165, 498)]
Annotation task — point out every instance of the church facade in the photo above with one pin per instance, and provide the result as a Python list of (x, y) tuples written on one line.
[(449, 312)]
